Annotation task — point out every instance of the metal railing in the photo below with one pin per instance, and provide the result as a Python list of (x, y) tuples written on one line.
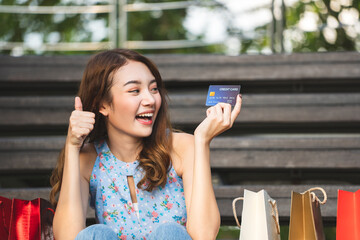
[(117, 10)]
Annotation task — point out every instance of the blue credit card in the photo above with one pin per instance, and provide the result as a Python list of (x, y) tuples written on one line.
[(222, 93)]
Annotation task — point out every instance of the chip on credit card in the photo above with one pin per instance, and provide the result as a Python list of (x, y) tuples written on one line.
[(222, 93)]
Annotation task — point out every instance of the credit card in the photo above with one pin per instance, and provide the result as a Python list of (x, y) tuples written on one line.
[(222, 93)]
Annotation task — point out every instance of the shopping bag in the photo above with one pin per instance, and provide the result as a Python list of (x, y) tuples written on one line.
[(259, 218), (5, 212), (25, 219), (348, 215), (305, 216)]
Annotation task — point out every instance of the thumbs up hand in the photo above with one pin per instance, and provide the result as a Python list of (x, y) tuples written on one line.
[(81, 123)]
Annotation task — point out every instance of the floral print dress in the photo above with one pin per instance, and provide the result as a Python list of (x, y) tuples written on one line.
[(110, 196)]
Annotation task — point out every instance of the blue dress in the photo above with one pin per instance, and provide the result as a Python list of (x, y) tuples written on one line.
[(110, 197)]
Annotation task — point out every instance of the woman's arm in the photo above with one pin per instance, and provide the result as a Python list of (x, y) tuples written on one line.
[(70, 213), (203, 213)]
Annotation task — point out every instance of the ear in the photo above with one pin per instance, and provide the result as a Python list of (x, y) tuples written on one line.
[(104, 109)]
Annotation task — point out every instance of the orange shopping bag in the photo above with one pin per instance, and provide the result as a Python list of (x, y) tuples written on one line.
[(348, 215), (305, 216)]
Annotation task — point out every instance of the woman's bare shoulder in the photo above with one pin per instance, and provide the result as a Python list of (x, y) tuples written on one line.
[(87, 160), (183, 151), (181, 139)]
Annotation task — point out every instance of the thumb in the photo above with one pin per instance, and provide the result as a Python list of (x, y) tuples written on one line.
[(78, 104), (237, 108)]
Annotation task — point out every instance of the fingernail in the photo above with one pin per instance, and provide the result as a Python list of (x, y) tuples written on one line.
[(240, 96)]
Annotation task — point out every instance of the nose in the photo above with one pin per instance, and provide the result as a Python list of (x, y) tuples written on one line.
[(148, 99)]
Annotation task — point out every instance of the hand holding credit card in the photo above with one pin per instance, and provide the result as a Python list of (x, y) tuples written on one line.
[(222, 93)]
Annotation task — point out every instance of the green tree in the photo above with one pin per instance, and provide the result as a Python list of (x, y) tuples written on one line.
[(332, 33), (47, 28)]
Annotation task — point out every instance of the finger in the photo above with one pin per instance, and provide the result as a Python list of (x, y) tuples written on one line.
[(85, 125), (227, 114), (224, 105), (78, 104), (83, 114), (88, 120), (81, 121), (209, 111), (80, 132), (219, 111), (235, 112)]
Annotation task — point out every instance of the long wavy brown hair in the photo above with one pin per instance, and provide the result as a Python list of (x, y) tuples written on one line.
[(154, 158)]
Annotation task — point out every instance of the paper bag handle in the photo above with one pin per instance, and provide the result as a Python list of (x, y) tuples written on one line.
[(314, 197), (234, 209), (275, 215)]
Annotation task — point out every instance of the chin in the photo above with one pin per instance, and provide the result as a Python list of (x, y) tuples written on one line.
[(144, 134)]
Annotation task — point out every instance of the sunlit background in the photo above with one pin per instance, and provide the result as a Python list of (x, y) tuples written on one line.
[(229, 27)]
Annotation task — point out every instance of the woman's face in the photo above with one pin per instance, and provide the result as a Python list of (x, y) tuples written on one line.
[(135, 101)]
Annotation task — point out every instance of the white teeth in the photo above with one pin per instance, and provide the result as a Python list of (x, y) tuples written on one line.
[(146, 115)]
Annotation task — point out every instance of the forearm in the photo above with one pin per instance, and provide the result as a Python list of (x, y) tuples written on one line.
[(70, 217), (204, 217)]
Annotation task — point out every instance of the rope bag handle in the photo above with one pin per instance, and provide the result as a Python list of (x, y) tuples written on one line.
[(234, 209), (275, 214), (314, 197)]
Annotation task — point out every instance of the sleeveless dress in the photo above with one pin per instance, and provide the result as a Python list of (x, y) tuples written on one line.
[(110, 197)]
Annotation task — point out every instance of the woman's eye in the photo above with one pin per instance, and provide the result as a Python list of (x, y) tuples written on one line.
[(134, 91), (155, 89)]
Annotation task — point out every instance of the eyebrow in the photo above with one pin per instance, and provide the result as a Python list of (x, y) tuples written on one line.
[(132, 82), (138, 82)]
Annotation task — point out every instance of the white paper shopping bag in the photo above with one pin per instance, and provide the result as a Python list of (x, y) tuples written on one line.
[(259, 219)]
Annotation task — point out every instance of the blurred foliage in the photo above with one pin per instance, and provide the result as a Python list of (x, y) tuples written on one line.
[(50, 28), (168, 25), (318, 40)]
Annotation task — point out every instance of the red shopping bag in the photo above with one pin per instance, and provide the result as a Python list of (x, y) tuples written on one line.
[(25, 220), (348, 215)]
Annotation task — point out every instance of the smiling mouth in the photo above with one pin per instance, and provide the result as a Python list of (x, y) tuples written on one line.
[(145, 118)]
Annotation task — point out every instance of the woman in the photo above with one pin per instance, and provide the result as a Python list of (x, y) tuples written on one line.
[(144, 180)]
